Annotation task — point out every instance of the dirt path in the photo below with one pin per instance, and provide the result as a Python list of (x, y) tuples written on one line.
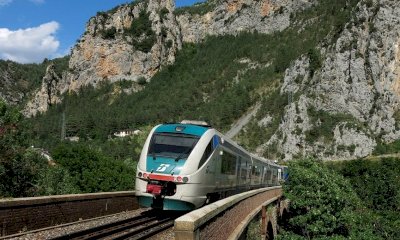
[(243, 121)]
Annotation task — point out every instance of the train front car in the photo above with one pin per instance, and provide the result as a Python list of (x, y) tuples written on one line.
[(168, 168)]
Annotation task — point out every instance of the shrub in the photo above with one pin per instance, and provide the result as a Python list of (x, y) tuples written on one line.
[(322, 201), (91, 171), (142, 81), (109, 33), (56, 181), (315, 60), (377, 183)]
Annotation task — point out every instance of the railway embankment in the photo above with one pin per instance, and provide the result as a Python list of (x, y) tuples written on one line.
[(26, 214)]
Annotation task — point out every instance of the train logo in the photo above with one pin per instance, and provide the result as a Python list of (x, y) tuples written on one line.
[(162, 167)]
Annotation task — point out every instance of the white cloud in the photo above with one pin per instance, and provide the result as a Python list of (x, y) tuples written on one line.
[(29, 45), (5, 2)]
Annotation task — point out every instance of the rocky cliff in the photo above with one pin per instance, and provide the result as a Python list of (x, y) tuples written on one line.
[(235, 16), (133, 41), (49, 92), (357, 87)]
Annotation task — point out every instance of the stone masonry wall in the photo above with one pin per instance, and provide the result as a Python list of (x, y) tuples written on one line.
[(25, 214), (224, 225)]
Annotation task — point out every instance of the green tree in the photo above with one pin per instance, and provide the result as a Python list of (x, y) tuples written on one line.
[(19, 164), (55, 181), (92, 171), (323, 204)]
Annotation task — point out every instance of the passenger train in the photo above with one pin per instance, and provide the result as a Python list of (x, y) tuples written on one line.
[(186, 165)]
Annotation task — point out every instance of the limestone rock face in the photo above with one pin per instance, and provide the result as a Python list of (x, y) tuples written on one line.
[(357, 84), (110, 49), (235, 16), (48, 94)]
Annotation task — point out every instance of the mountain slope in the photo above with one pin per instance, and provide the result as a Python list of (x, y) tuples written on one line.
[(18, 82), (349, 105), (327, 81)]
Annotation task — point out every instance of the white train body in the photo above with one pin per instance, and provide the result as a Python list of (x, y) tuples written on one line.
[(184, 166)]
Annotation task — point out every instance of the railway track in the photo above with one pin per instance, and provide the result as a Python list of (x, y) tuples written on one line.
[(140, 227)]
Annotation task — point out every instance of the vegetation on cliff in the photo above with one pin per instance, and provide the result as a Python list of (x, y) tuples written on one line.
[(24, 78)]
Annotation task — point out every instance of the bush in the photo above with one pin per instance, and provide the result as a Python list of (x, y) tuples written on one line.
[(56, 181), (315, 60), (322, 202), (377, 183), (19, 173), (109, 33), (19, 165), (91, 171), (385, 148)]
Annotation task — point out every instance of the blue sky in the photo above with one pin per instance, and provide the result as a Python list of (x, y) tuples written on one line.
[(31, 30)]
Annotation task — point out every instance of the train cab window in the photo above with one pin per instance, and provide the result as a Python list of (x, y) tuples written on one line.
[(177, 146), (206, 154)]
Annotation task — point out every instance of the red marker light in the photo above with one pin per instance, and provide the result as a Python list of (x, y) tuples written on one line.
[(144, 175), (179, 179)]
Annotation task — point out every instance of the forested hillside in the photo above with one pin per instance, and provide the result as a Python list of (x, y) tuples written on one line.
[(324, 77), (216, 80)]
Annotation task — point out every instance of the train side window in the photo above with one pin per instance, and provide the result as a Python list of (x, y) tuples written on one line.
[(206, 154), (228, 165), (243, 169)]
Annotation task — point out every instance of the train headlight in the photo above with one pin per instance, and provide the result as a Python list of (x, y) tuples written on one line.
[(140, 174), (185, 179)]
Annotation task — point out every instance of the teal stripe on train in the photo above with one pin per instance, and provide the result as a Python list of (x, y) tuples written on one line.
[(164, 165), (186, 129), (168, 204)]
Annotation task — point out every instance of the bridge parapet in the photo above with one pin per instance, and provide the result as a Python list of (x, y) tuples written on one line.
[(25, 214), (229, 217)]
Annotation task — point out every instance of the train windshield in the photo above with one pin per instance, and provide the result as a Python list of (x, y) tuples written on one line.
[(178, 146)]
